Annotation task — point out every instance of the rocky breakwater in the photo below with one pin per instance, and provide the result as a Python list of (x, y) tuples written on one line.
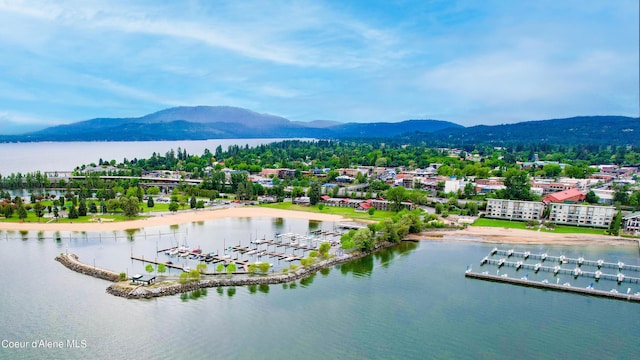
[(172, 287), (71, 262)]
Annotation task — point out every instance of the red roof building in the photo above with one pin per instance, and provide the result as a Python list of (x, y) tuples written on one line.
[(570, 196)]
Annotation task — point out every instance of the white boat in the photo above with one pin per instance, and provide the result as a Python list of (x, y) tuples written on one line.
[(173, 252)]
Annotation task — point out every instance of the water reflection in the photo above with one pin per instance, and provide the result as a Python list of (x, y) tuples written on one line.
[(306, 281), (193, 295), (131, 234), (314, 225), (364, 266)]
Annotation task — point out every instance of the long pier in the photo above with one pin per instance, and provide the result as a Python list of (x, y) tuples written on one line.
[(635, 297)]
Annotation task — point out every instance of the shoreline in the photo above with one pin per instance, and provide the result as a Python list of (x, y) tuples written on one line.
[(519, 236), (181, 217)]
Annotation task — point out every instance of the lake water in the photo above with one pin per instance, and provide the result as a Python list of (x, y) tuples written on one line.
[(411, 301), (65, 156), (407, 302)]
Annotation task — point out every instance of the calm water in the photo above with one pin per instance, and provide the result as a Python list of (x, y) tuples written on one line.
[(65, 156), (411, 301)]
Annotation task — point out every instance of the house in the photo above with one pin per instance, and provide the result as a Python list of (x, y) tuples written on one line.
[(302, 200), (514, 209), (631, 223), (570, 196)]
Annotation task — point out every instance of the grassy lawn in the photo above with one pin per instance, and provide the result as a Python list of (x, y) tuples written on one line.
[(565, 229), (333, 210), (500, 223), (560, 229)]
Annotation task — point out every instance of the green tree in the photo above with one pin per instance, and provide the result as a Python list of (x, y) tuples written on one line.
[(324, 249), (591, 197), (22, 212), (231, 268), (396, 196), (202, 268), (73, 212), (130, 206), (93, 208), (162, 268), (253, 268), (621, 196), (82, 207), (150, 202), (193, 202), (264, 267), (149, 268), (552, 170), (38, 208), (173, 206), (517, 185), (314, 193), (614, 228), (363, 239)]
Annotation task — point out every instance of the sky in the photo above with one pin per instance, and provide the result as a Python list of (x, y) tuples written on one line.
[(466, 61)]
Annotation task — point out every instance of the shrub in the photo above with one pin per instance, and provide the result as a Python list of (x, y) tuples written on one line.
[(123, 276)]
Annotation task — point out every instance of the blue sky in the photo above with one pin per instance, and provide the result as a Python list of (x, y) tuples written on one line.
[(467, 61)]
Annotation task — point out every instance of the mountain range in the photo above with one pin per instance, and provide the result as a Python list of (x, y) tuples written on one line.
[(220, 122)]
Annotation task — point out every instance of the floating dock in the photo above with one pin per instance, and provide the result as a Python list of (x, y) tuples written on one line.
[(583, 268)]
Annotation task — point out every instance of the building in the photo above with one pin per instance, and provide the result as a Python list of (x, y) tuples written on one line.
[(570, 196), (514, 209), (581, 215), (631, 223)]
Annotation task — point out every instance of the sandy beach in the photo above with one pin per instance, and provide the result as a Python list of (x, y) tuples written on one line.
[(471, 233), (519, 236), (181, 217)]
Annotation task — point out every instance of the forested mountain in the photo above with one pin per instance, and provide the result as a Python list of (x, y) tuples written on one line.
[(218, 122), (592, 130), (224, 122)]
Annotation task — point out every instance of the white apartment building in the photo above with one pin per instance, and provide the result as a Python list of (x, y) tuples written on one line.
[(631, 223), (587, 215), (514, 209)]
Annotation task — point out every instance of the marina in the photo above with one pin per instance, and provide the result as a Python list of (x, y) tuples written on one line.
[(287, 247), (539, 263)]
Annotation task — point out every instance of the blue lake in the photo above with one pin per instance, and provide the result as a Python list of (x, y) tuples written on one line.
[(411, 301)]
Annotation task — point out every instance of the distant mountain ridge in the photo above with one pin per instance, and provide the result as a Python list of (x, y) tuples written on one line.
[(217, 122), (597, 130), (225, 122)]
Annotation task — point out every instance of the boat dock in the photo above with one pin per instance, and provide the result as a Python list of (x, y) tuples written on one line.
[(600, 263), (226, 260), (576, 272), (581, 269), (635, 297)]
